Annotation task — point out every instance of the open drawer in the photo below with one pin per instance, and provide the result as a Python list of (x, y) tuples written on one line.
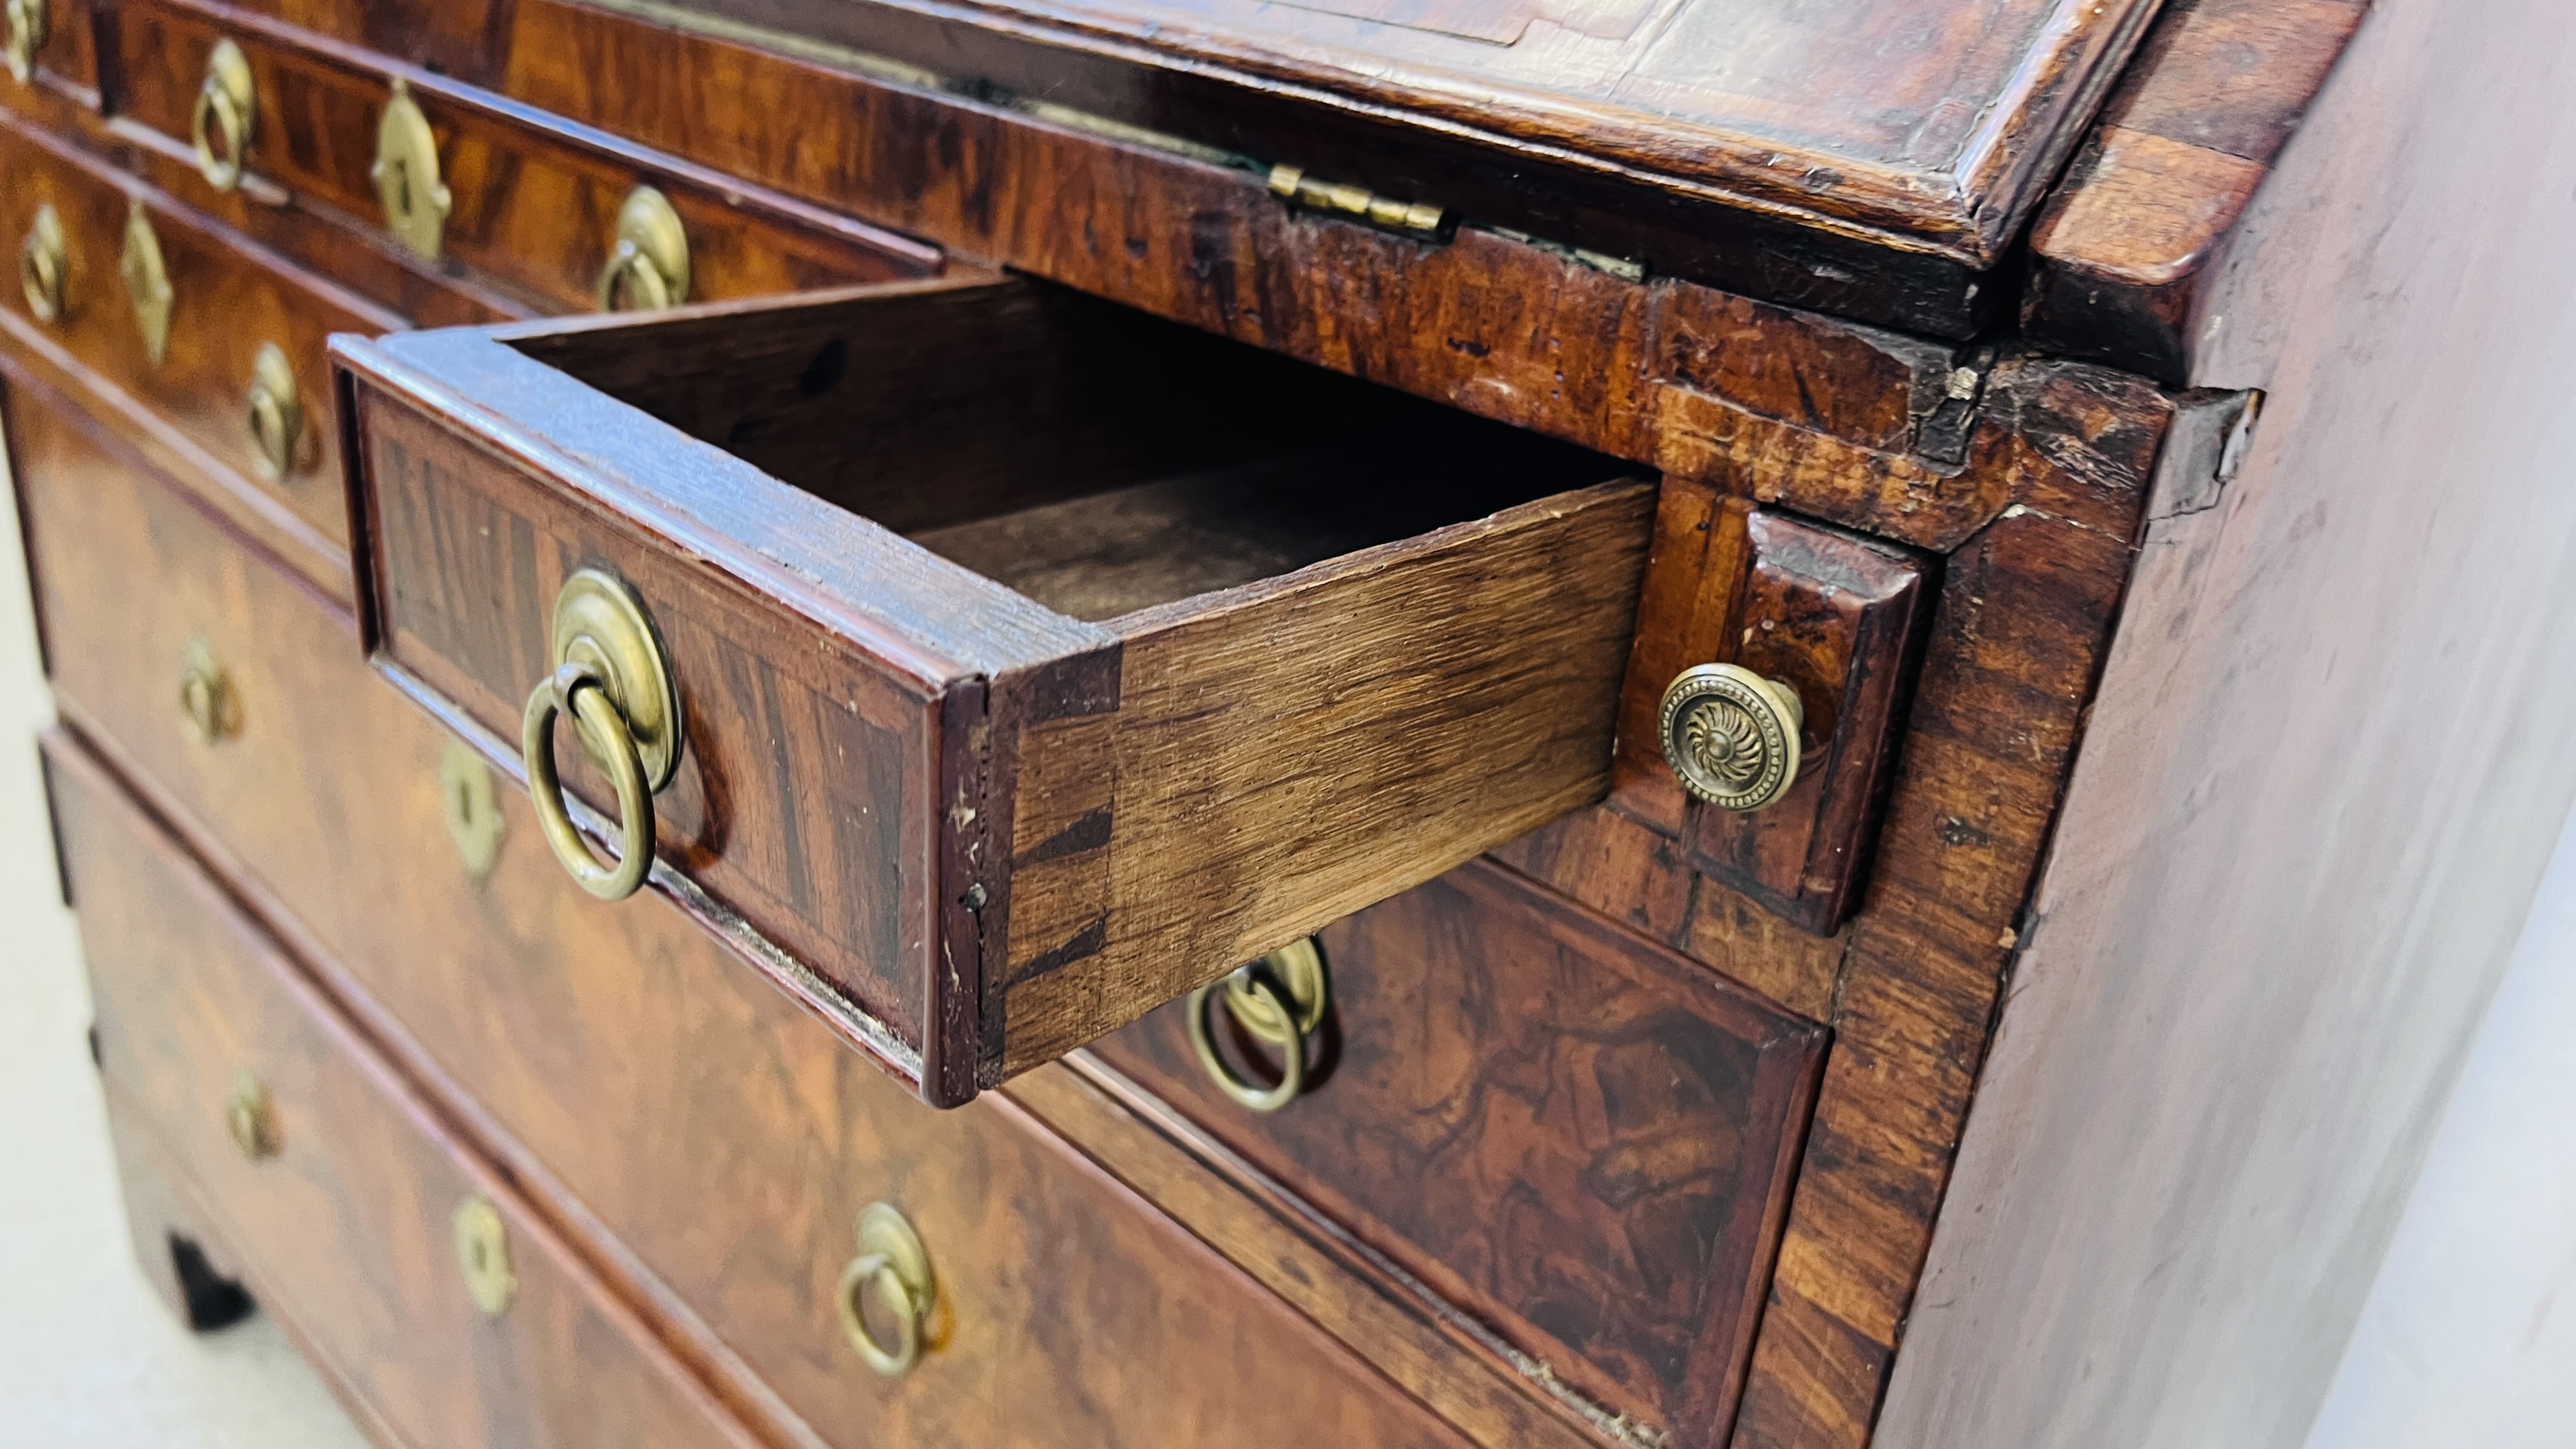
[(1033, 661)]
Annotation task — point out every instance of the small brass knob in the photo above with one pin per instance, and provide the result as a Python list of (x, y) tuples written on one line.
[(406, 175), (1279, 1000), (147, 282), (483, 1255), (26, 37), (894, 1267), (1732, 735), (206, 703), (220, 124), (613, 679), (275, 412), (250, 1118), (648, 266), (41, 260)]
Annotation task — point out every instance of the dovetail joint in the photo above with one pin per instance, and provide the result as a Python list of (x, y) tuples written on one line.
[(1412, 218)]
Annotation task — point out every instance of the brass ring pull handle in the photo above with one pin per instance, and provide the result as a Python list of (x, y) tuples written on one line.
[(227, 108), (577, 690), (1279, 1000), (648, 266), (276, 412), (406, 175), (892, 1264), (612, 677), (41, 259), (250, 1118), (26, 37), (1732, 735)]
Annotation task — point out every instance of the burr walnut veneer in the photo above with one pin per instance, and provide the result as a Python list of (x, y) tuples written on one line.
[(1029, 798)]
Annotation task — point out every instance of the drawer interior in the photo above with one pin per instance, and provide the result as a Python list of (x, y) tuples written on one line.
[(1093, 459), (1040, 660)]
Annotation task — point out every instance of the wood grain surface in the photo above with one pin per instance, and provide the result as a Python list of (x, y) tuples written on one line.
[(1574, 1135), (344, 1230), (2124, 255), (535, 200), (229, 297), (530, 1010)]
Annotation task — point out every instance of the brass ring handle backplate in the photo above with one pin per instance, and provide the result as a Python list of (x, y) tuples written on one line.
[(220, 124), (26, 37), (648, 264), (612, 677), (1732, 735), (41, 260), (891, 1264), (1279, 1000), (416, 202), (275, 412)]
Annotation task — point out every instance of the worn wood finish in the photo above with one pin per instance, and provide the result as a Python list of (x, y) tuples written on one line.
[(444, 37), (344, 1230), (228, 298), (2124, 258), (1576, 1136), (1719, 121), (1126, 810), (535, 199), (521, 1000), (1835, 617)]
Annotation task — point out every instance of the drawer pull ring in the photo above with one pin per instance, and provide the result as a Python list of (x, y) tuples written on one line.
[(250, 1118), (406, 175), (648, 268), (40, 263), (226, 108), (147, 283), (276, 412), (612, 677), (1279, 1000), (26, 37), (891, 1263), (483, 1255), (206, 703), (1732, 735)]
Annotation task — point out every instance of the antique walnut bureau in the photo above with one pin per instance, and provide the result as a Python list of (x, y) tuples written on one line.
[(848, 558)]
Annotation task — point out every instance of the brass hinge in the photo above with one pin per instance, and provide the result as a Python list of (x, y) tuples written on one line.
[(1412, 218)]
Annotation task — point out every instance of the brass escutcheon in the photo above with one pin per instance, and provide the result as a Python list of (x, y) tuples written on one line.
[(1279, 1000), (1732, 735), (892, 1264), (26, 37), (275, 412), (227, 109), (147, 283), (250, 1118), (406, 175), (612, 677), (41, 260), (483, 1255), (648, 266), (206, 703), (472, 809)]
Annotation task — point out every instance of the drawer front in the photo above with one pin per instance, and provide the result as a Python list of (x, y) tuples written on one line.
[(713, 1127), (51, 42), (449, 37), (1580, 1137), (533, 201), (224, 306), (998, 831), (336, 1191)]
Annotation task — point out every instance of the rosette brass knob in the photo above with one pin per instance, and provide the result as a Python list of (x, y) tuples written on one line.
[(1732, 735)]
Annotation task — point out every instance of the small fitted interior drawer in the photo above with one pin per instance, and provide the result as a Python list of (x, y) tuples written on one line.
[(1034, 660)]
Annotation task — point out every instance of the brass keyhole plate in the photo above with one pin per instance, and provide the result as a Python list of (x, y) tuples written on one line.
[(472, 809), (483, 1255), (406, 174), (147, 282)]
